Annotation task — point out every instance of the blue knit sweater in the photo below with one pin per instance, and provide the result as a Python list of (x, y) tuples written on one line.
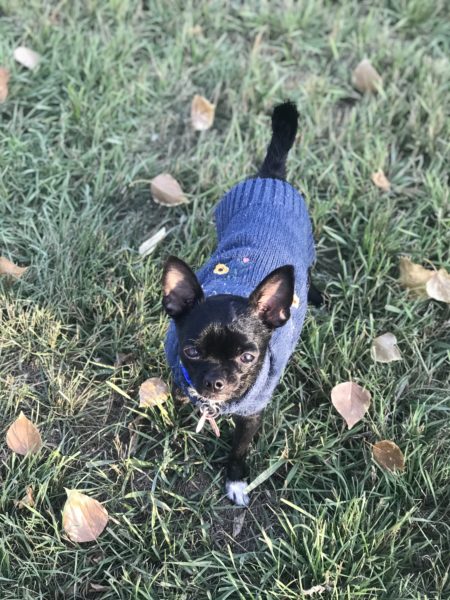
[(261, 224)]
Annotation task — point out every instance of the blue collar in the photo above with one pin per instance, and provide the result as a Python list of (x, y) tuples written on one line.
[(186, 374)]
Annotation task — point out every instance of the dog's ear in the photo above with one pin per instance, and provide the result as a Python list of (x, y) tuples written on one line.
[(272, 298), (181, 289)]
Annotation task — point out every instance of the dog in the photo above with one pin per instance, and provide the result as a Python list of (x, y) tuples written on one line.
[(237, 321)]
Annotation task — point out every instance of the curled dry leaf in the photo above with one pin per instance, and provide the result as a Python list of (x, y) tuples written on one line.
[(384, 348), (351, 401), (9, 268), (149, 245), (23, 437), (84, 518), (152, 392), (365, 77), (27, 500), (4, 78), (389, 456), (202, 113), (381, 181), (166, 190), (414, 277), (438, 286), (27, 57)]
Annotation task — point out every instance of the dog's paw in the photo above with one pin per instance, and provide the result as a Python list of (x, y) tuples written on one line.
[(235, 492)]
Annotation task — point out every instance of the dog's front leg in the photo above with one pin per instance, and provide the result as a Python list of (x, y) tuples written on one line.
[(237, 469)]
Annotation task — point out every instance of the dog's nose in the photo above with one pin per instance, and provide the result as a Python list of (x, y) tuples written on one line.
[(214, 384)]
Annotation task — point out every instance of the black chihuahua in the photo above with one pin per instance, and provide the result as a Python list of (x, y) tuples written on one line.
[(236, 323)]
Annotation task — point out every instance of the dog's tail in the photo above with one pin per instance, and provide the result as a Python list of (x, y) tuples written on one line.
[(284, 130)]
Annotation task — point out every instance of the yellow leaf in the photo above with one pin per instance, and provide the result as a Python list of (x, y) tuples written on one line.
[(23, 437), (4, 78), (381, 181), (388, 455), (384, 348), (438, 286), (9, 268), (351, 401), (414, 277), (202, 113), (83, 518), (26, 57), (152, 392), (166, 190), (365, 78)]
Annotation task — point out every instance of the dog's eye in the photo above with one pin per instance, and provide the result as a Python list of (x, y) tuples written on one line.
[(192, 352), (247, 357)]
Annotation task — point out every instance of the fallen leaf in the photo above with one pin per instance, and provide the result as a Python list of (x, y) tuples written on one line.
[(351, 401), (27, 500), (384, 348), (83, 518), (202, 113), (195, 30), (152, 392), (166, 190), (316, 589), (389, 456), (4, 78), (365, 77), (97, 587), (438, 286), (27, 57), (381, 181), (9, 268), (414, 277), (23, 437), (238, 522), (149, 245)]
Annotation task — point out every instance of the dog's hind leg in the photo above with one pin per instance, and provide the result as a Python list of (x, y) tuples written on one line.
[(237, 469), (284, 130)]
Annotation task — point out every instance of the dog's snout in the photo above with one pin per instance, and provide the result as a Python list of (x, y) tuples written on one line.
[(214, 384)]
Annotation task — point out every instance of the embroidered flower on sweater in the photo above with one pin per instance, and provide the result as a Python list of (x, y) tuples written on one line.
[(221, 269), (295, 301)]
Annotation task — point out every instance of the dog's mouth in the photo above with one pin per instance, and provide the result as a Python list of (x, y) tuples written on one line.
[(211, 398)]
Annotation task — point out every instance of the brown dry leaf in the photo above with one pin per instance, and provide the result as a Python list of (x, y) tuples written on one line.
[(351, 401), (23, 437), (166, 190), (149, 245), (438, 286), (384, 348), (27, 500), (9, 268), (27, 57), (414, 277), (4, 78), (389, 456), (381, 181), (365, 77), (152, 392), (83, 518), (202, 113)]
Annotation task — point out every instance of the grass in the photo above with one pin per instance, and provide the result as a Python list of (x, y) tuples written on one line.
[(106, 111)]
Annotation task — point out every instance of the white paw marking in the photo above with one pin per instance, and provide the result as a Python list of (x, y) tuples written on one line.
[(235, 492)]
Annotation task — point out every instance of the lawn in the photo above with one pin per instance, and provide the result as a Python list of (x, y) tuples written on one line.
[(81, 137)]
